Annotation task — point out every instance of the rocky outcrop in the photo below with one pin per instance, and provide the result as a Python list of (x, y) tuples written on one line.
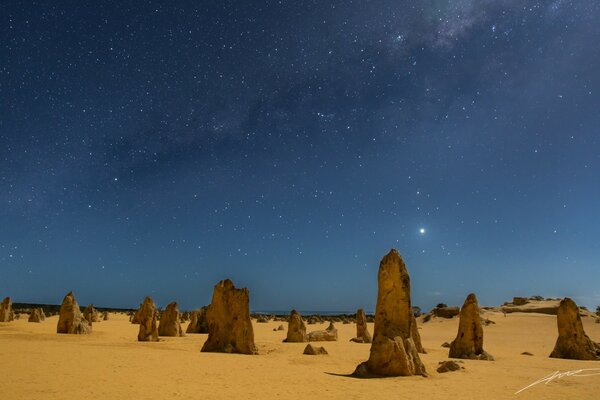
[(198, 322), (469, 339), (296, 329), (445, 312), (91, 314), (169, 321), (314, 350), (328, 335), (148, 321), (6, 312), (538, 305), (105, 315), (37, 315), (71, 319), (448, 366), (393, 351), (520, 301), (572, 342), (362, 331), (229, 325)]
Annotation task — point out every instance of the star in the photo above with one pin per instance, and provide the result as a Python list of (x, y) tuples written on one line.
[(422, 231)]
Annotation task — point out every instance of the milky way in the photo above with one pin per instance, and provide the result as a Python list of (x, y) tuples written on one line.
[(158, 148)]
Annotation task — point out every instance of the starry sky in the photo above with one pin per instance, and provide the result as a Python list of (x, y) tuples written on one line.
[(154, 148)]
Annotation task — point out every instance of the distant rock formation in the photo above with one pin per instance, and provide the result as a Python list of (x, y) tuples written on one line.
[(469, 339), (91, 314), (198, 322), (328, 335), (416, 336), (445, 312), (520, 301), (572, 342), (279, 328), (37, 315), (362, 332), (296, 329), (105, 316), (169, 321), (314, 350), (539, 305), (70, 319), (229, 325), (393, 352), (6, 312), (148, 321), (262, 319)]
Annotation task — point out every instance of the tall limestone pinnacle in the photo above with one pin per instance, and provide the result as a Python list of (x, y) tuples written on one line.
[(572, 341), (170, 324), (229, 325), (393, 351), (148, 331), (71, 319), (296, 329), (469, 338), (6, 313)]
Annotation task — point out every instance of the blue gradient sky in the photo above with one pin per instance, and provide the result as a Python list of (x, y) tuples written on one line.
[(155, 149)]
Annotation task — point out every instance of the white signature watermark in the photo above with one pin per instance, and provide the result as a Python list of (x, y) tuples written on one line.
[(557, 375)]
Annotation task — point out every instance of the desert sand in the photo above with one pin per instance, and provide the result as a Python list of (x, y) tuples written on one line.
[(110, 363)]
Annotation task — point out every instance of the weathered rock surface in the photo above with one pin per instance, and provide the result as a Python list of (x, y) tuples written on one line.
[(469, 339), (148, 321), (170, 324), (314, 350), (37, 315), (229, 325), (135, 318), (572, 342), (416, 336), (448, 366), (105, 316), (328, 335), (6, 312), (362, 331), (296, 329), (71, 319), (393, 351), (198, 322)]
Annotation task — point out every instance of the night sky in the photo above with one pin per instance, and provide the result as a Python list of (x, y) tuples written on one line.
[(154, 148)]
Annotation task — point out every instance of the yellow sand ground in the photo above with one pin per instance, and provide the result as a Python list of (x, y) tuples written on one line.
[(37, 363)]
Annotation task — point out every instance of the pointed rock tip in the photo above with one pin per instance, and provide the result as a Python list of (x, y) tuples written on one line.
[(471, 298), (568, 302), (227, 283)]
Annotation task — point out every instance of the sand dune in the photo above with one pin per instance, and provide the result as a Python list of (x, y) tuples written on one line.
[(110, 363)]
